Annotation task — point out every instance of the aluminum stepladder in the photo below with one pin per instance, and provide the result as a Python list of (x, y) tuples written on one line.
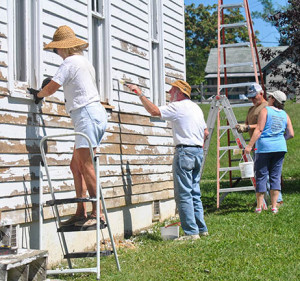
[(61, 230), (221, 103)]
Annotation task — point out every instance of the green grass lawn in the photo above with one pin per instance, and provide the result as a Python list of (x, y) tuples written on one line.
[(242, 245)]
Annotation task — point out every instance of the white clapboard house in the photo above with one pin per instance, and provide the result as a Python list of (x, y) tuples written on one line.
[(141, 41)]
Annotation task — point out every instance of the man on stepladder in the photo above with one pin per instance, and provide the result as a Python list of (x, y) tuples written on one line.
[(256, 94), (189, 133)]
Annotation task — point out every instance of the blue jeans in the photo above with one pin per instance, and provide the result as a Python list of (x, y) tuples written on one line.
[(279, 199), (186, 175), (268, 165)]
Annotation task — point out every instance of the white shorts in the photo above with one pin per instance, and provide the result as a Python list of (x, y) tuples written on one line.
[(90, 120)]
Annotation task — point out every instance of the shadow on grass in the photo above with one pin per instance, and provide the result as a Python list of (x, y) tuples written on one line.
[(238, 202)]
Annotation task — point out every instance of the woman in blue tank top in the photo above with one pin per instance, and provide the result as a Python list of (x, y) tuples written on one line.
[(274, 127)]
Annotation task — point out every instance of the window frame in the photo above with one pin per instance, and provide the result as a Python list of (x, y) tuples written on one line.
[(103, 64), (157, 53), (32, 49)]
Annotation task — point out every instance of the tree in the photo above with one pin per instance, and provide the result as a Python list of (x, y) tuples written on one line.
[(287, 23), (201, 35)]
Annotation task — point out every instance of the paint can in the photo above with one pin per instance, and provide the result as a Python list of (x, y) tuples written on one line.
[(247, 169), (170, 232)]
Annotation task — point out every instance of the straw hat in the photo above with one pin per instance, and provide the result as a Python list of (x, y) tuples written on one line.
[(64, 37), (183, 86)]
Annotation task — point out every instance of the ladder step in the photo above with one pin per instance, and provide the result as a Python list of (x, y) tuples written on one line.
[(87, 254), (71, 228), (236, 85), (234, 189), (227, 169), (250, 63), (235, 160), (225, 127), (232, 25), (231, 6), (247, 104), (236, 178), (228, 147), (69, 200), (235, 45)]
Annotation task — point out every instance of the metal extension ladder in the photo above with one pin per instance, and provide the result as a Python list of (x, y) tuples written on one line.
[(219, 103), (62, 230), (223, 85)]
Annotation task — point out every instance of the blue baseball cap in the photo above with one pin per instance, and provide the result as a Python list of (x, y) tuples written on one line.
[(253, 90)]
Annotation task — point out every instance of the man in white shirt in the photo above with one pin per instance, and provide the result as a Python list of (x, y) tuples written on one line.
[(189, 133)]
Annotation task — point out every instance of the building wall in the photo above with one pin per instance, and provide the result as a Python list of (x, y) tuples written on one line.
[(136, 152)]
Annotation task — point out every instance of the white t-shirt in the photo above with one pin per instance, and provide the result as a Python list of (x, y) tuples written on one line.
[(77, 75), (187, 120)]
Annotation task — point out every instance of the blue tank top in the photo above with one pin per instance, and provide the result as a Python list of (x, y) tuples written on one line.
[(272, 138)]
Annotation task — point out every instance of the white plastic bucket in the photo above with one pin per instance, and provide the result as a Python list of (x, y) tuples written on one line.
[(170, 232), (247, 169)]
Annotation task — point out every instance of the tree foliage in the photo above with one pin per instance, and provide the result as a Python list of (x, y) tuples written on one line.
[(287, 23), (201, 35)]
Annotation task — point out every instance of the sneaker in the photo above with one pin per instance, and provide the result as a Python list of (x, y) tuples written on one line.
[(257, 210), (274, 210), (71, 221), (205, 233), (188, 237)]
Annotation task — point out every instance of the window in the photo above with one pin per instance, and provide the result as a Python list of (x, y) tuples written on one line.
[(157, 67), (100, 47), (23, 45)]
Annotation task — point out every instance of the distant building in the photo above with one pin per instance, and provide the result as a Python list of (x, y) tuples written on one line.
[(243, 73)]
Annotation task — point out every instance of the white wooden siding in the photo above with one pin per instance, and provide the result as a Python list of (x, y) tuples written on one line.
[(136, 149)]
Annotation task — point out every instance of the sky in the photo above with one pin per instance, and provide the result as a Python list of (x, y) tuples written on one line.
[(268, 35)]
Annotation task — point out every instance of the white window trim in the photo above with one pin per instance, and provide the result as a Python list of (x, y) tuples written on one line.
[(159, 98), (18, 89), (107, 47)]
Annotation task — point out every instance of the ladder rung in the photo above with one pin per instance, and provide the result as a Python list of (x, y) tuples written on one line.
[(235, 160), (228, 147), (236, 85), (227, 169), (236, 178), (70, 228), (231, 6), (232, 25), (87, 254), (69, 200), (234, 189), (235, 45), (242, 105), (250, 63), (224, 127)]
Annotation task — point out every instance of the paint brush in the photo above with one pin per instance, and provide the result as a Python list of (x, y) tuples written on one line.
[(123, 82)]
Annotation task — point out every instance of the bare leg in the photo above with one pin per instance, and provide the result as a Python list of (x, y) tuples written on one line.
[(259, 199), (274, 197), (88, 173), (80, 186)]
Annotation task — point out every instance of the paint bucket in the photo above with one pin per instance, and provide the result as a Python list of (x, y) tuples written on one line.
[(170, 232), (247, 169)]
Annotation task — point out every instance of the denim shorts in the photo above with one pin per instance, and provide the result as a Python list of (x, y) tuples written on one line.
[(90, 120)]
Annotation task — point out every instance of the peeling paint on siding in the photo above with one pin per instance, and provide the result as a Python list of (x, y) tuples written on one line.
[(2, 77), (132, 48)]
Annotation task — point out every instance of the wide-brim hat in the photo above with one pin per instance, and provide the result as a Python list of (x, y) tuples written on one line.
[(64, 38), (278, 95), (183, 86)]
